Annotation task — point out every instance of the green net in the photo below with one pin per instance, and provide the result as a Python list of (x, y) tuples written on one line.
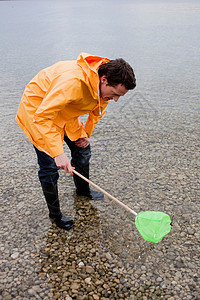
[(153, 225)]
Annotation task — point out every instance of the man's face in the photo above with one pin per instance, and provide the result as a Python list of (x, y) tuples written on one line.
[(108, 92)]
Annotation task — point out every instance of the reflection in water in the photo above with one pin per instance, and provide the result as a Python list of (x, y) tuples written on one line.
[(66, 258), (121, 238), (94, 253)]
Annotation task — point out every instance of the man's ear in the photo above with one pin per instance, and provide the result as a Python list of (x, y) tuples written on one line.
[(103, 79)]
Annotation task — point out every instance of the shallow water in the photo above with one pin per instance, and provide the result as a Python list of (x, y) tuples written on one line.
[(145, 153)]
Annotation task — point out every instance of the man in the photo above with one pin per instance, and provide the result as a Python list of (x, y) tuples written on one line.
[(48, 114)]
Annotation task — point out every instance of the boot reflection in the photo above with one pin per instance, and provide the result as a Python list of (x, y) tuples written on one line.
[(66, 257)]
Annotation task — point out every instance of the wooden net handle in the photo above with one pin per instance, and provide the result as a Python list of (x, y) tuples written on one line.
[(105, 193)]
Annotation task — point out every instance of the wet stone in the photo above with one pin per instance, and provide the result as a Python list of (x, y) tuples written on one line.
[(81, 264), (15, 255), (88, 280), (89, 269), (75, 286)]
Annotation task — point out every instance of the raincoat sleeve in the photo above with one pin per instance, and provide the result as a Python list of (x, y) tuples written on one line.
[(94, 118), (60, 94)]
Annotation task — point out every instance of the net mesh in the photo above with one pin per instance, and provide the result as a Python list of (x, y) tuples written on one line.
[(153, 225)]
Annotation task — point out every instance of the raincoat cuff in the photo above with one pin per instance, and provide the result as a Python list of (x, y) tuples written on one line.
[(57, 151)]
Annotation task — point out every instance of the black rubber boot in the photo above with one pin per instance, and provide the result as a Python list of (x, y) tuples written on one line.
[(93, 195), (51, 195), (82, 186)]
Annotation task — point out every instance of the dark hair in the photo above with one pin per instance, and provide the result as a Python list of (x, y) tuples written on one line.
[(118, 71)]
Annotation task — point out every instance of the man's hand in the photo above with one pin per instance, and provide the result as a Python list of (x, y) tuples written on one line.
[(83, 142), (63, 162)]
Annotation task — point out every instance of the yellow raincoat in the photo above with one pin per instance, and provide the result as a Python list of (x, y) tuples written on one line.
[(55, 98)]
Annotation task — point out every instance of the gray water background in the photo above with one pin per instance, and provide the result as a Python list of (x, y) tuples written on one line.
[(160, 39), (144, 147)]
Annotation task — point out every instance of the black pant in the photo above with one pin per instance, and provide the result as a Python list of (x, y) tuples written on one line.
[(48, 172)]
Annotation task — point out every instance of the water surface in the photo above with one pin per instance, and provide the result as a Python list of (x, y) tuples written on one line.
[(145, 152)]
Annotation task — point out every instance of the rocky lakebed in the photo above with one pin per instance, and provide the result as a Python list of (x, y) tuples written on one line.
[(147, 157)]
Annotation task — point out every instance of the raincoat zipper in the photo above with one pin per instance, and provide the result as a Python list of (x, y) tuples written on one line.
[(99, 98)]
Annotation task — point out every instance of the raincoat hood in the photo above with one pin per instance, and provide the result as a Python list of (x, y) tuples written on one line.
[(90, 64)]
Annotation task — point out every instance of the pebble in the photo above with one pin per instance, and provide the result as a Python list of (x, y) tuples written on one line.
[(15, 255), (81, 264), (31, 292), (88, 280), (98, 282), (159, 279), (191, 231), (75, 286), (89, 269), (108, 256)]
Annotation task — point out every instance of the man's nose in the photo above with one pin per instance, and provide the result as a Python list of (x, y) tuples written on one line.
[(116, 98)]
